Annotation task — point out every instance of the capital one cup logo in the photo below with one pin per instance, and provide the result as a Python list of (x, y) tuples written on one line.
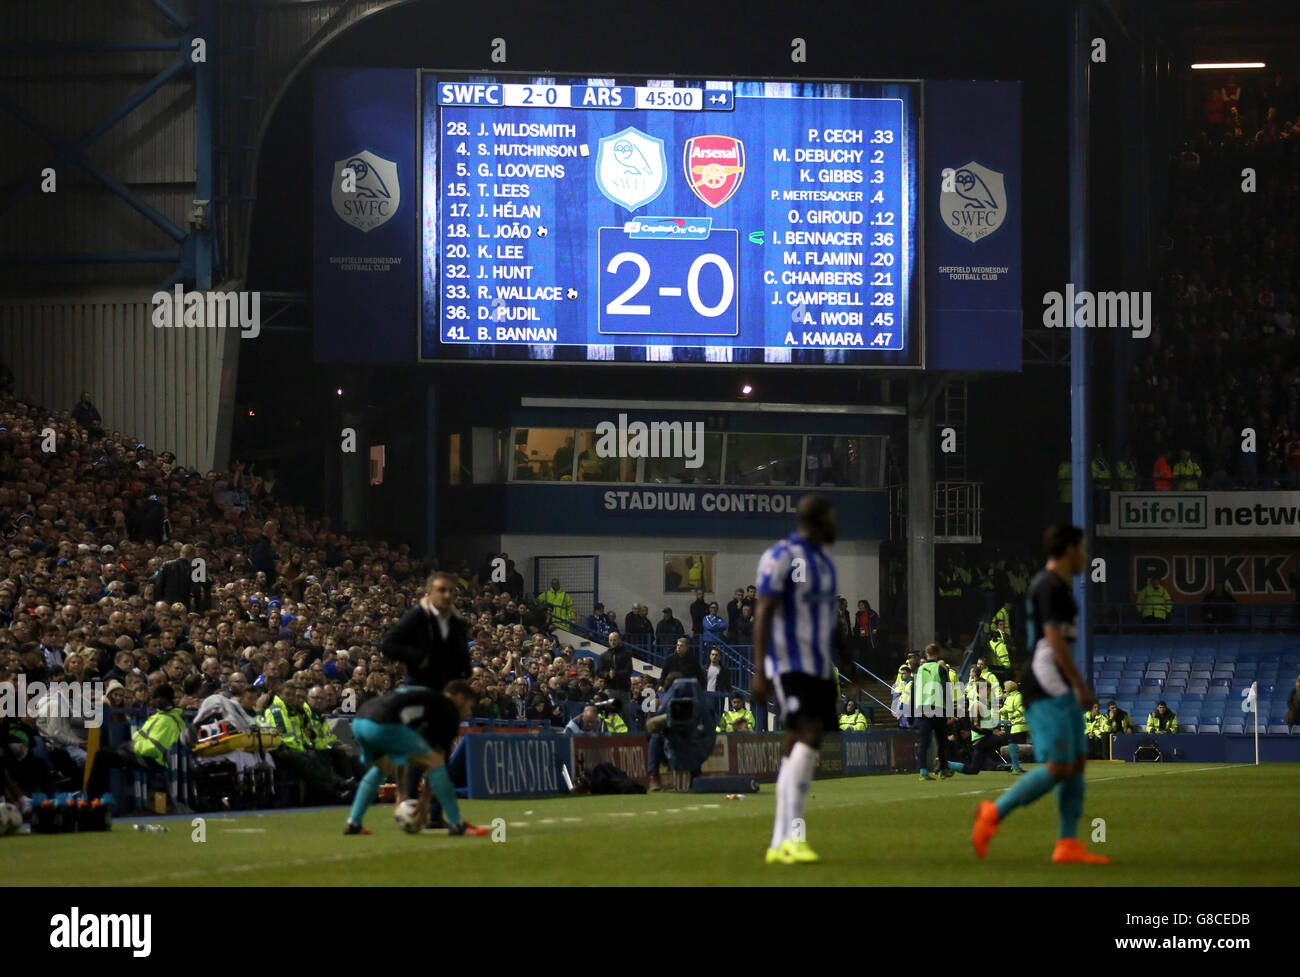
[(715, 165), (631, 167), (976, 204), (378, 191)]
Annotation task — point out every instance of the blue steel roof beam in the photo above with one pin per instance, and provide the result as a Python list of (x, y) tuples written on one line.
[(118, 114), (171, 15), (54, 139)]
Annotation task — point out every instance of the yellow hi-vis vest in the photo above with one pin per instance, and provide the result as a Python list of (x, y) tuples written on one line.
[(317, 730), (855, 721), (1013, 712), (729, 720), (158, 734), (278, 715)]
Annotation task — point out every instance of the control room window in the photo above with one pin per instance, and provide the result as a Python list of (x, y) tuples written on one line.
[(764, 459), (544, 454), (701, 466), (594, 468), (835, 461)]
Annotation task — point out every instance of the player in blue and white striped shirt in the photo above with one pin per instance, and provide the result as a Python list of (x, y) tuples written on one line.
[(796, 645)]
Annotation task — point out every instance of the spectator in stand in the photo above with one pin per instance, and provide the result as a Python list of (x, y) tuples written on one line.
[(615, 667), (714, 627), (637, 626), (866, 629), (670, 629), (699, 609), (682, 663), (844, 620), (86, 414), (174, 583), (1218, 607), (745, 625), (147, 522), (598, 621), (263, 557), (717, 678), (733, 613), (514, 581), (1293, 704)]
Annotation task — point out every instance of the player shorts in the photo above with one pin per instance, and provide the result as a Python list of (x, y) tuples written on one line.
[(1056, 727), (397, 741), (802, 697)]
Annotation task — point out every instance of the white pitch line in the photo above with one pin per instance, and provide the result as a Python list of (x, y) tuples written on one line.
[(570, 820), (518, 824), (546, 821)]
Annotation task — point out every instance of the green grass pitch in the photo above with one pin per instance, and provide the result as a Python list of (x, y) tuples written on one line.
[(1177, 824)]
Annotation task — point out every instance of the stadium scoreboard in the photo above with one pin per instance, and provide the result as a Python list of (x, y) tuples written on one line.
[(465, 217), (674, 220)]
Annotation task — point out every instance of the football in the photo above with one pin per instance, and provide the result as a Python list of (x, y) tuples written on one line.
[(11, 819), (405, 815)]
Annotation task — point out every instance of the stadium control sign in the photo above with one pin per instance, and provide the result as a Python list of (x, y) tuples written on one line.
[(1204, 514)]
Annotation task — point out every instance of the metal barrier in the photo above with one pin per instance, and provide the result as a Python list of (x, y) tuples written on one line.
[(1117, 616)]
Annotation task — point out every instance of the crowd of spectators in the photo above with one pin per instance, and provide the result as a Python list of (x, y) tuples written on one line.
[(1223, 354), (117, 565)]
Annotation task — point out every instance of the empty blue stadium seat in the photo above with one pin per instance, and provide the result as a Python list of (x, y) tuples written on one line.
[(1208, 728), (1221, 683), (1233, 728), (1214, 718), (1151, 683), (1187, 727), (1176, 683), (1279, 729), (1201, 673)]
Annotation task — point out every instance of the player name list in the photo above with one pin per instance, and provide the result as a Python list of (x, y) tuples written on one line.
[(810, 249)]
